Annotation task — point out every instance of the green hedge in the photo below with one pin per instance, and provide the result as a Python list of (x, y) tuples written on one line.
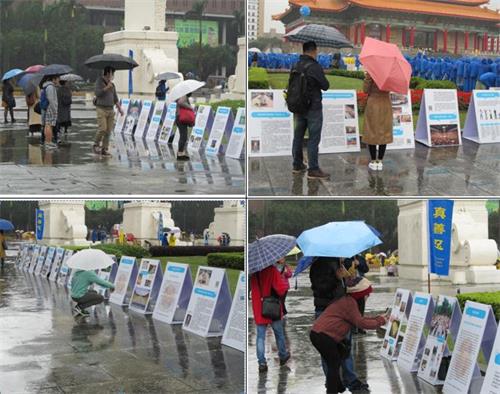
[(488, 298), (233, 104), (424, 84), (415, 81), (258, 78), (160, 251), (226, 260), (117, 250), (348, 74)]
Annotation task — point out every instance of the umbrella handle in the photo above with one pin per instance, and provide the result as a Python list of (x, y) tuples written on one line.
[(295, 283)]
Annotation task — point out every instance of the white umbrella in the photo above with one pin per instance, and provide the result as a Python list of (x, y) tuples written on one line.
[(183, 88), (90, 259), (71, 78), (255, 50), (168, 76)]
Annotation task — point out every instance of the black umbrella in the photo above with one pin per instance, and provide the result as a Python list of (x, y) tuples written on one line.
[(29, 82), (118, 62), (324, 36), (55, 69)]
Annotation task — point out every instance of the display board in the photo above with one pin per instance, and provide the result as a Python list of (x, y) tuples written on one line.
[(120, 119), (482, 124), (39, 261), (175, 291), (235, 333), (209, 304), (340, 131), (132, 117), (109, 275), (56, 265), (24, 256), (397, 324), (236, 146), (477, 332), (124, 281), (414, 339), (167, 130), (156, 120), (147, 286), (65, 271), (203, 124), (270, 124), (443, 331), (438, 120), (220, 132), (144, 119), (47, 264), (491, 383), (402, 122), (30, 267)]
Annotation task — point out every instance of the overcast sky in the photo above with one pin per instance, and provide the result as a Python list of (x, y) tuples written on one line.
[(277, 6)]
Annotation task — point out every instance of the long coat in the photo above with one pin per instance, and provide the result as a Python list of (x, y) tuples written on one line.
[(378, 115), (64, 101), (34, 118)]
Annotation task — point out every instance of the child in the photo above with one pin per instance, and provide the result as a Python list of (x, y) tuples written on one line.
[(84, 297)]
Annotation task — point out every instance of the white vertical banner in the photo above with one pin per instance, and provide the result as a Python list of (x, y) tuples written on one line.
[(235, 333), (174, 295), (124, 281)]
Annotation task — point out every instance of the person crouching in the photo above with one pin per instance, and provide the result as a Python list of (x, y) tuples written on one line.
[(81, 294)]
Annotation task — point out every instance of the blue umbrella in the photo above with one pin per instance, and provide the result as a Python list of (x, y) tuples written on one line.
[(265, 251), (338, 239), (12, 73), (29, 82), (5, 225), (303, 264)]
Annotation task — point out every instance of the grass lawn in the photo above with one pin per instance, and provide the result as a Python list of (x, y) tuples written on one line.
[(280, 81), (194, 262)]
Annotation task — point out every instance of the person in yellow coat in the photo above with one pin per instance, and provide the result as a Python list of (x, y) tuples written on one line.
[(171, 240), (3, 247)]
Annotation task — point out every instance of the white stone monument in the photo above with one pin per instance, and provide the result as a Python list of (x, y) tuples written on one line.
[(473, 255), (237, 83), (154, 49), (141, 218), (64, 223), (230, 218)]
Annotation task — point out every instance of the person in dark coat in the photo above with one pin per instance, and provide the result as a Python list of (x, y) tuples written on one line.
[(8, 100), (161, 90), (64, 99)]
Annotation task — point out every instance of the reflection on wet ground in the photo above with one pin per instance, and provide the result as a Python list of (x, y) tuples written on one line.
[(44, 349), (137, 167), (303, 373), (469, 170)]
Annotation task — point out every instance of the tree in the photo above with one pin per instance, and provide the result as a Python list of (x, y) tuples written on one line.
[(197, 12), (238, 22), (193, 216), (106, 218), (213, 59)]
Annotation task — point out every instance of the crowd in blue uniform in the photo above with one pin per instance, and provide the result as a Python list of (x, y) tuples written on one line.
[(465, 72)]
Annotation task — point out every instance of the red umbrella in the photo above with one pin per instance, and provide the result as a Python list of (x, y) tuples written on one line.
[(34, 69), (386, 65)]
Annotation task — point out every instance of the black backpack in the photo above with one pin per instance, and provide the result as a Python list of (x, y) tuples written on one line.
[(297, 95)]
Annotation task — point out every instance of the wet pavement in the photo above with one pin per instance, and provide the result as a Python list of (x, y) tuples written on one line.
[(137, 167), (43, 349), (468, 170), (303, 373)]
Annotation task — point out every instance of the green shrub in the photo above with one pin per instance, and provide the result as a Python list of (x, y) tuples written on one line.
[(424, 84), (117, 250), (258, 78), (233, 104), (488, 298), (160, 251), (415, 81), (226, 260), (348, 74)]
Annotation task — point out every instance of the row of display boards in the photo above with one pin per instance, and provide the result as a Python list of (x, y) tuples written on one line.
[(270, 124), (433, 338), (204, 307), (215, 133)]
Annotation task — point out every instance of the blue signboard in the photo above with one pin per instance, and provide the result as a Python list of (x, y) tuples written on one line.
[(40, 224), (440, 220)]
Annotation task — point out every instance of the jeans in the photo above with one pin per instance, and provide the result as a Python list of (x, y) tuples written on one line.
[(90, 298), (313, 122), (347, 364), (183, 135), (279, 335)]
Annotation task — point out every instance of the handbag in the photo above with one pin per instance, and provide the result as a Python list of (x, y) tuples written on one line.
[(271, 305), (186, 116), (37, 108)]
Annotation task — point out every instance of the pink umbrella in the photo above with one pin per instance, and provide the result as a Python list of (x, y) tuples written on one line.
[(386, 65), (34, 69)]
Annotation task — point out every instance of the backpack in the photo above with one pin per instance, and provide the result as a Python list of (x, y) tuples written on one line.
[(297, 95), (44, 100)]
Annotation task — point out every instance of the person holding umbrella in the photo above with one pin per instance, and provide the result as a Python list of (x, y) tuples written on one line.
[(5, 225), (49, 107), (161, 90), (64, 100), (85, 263), (268, 288), (8, 100)]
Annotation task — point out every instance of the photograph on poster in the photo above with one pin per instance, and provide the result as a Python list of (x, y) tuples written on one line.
[(262, 99), (204, 277), (350, 111), (444, 134), (255, 146)]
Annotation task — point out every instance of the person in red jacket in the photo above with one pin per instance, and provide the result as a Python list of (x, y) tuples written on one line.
[(330, 330), (262, 284)]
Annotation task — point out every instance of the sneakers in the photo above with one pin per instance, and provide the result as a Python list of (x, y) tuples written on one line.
[(105, 152), (50, 145), (317, 174), (182, 157), (96, 149), (262, 368), (358, 385), (380, 166), (77, 311), (299, 170), (373, 166), (284, 360)]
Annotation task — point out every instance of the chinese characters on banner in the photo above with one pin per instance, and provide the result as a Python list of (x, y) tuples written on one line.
[(40, 224), (440, 221)]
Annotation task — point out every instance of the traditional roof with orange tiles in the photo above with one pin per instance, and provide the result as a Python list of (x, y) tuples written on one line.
[(468, 9)]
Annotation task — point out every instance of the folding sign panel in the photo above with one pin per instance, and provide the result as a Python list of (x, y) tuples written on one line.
[(396, 327), (477, 332), (402, 122), (120, 119), (56, 265), (124, 281), (144, 119), (47, 264), (65, 271), (221, 130), (132, 117), (30, 267), (174, 295), (235, 332), (109, 275), (491, 383), (204, 122), (414, 340), (236, 145), (210, 303), (443, 332), (39, 261), (483, 117), (167, 130), (156, 120), (147, 286)]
